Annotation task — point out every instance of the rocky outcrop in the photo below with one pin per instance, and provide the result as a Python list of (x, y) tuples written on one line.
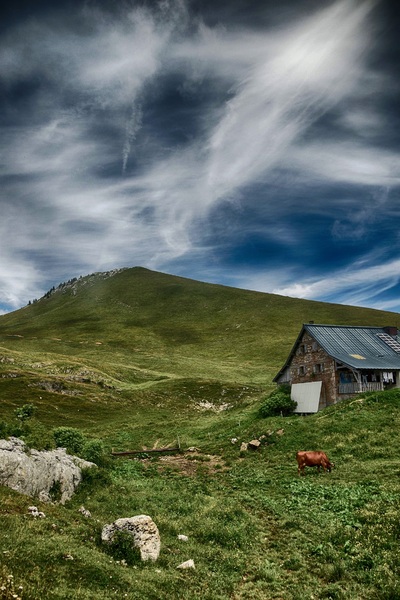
[(50, 475), (144, 533)]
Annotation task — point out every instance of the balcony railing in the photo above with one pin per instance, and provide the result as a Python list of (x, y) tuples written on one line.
[(356, 388)]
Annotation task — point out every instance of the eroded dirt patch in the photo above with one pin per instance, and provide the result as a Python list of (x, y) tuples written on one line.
[(189, 464)]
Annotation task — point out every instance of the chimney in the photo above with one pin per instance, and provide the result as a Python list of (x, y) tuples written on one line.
[(392, 331)]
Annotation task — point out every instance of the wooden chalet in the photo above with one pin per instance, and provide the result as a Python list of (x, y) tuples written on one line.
[(329, 363)]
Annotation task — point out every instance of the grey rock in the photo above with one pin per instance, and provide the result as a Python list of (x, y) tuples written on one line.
[(188, 564), (35, 512), (144, 532), (35, 473), (254, 444), (85, 512)]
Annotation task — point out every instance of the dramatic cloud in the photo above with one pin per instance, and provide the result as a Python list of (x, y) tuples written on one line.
[(260, 154)]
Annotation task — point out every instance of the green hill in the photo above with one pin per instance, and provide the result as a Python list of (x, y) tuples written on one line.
[(137, 338), (169, 326), (140, 360)]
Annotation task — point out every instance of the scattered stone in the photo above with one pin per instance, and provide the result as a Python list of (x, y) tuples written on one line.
[(205, 405), (50, 475), (234, 440), (144, 532), (86, 513), (243, 447), (192, 449), (280, 432), (7, 359), (183, 538), (188, 564), (68, 557), (254, 444), (35, 512)]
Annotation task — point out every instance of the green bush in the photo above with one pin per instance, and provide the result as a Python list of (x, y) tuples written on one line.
[(278, 403), (94, 451), (24, 412), (70, 438)]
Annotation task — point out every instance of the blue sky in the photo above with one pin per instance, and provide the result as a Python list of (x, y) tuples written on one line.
[(249, 143)]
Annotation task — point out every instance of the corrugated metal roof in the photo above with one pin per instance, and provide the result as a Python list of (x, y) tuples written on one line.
[(358, 347)]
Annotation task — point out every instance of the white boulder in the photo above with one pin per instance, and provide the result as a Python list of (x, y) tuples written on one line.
[(144, 532)]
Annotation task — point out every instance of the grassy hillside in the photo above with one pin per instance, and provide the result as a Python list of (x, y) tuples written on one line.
[(256, 530), (155, 346), (142, 360), (153, 325)]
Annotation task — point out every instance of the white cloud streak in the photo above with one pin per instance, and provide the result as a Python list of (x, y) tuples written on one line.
[(286, 92), (274, 86), (361, 284), (355, 285)]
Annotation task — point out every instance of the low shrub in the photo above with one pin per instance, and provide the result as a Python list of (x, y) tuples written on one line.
[(70, 438), (95, 477), (24, 412), (94, 451), (278, 403)]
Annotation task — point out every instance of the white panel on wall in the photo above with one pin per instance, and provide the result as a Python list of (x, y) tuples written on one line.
[(307, 396)]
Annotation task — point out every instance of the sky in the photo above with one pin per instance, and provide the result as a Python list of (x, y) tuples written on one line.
[(250, 143)]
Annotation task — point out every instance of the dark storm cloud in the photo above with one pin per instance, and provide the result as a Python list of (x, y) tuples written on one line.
[(250, 143)]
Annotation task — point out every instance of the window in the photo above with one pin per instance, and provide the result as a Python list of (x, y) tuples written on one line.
[(302, 349), (315, 346), (302, 370), (318, 368)]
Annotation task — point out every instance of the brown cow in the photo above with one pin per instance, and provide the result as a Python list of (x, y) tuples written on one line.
[(313, 459)]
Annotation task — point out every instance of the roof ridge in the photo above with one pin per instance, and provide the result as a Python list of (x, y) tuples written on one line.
[(343, 326)]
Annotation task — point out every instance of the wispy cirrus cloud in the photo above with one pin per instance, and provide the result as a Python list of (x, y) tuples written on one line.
[(358, 285), (125, 133), (285, 92)]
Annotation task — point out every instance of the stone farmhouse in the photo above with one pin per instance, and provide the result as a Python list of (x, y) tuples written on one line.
[(329, 363)]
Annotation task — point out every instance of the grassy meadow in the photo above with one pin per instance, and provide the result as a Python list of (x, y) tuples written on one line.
[(142, 360)]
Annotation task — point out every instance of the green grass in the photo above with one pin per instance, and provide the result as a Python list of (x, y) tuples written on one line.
[(256, 529), (134, 359)]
